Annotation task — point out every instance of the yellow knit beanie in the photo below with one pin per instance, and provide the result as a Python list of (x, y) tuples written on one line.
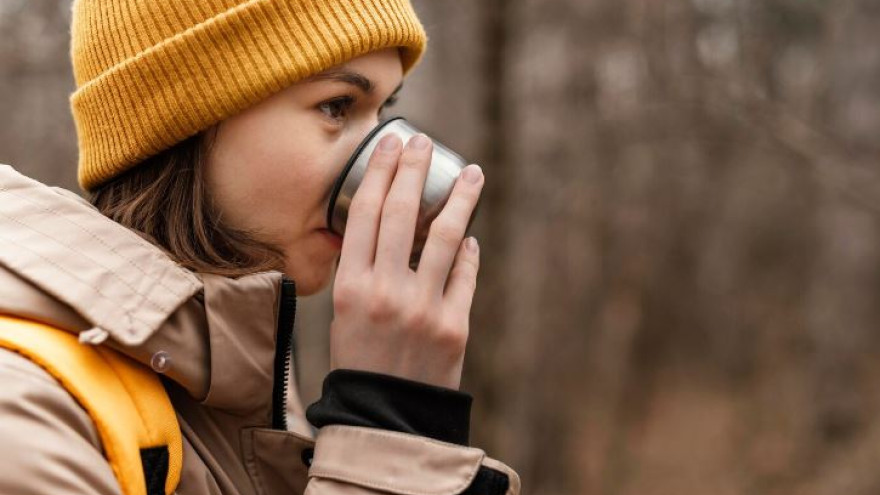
[(150, 74)]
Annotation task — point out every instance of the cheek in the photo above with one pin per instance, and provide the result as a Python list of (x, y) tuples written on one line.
[(274, 183), (251, 156)]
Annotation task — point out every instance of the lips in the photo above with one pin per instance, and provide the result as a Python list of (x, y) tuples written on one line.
[(334, 238)]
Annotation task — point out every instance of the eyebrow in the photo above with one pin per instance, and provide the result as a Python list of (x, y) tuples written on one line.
[(354, 78)]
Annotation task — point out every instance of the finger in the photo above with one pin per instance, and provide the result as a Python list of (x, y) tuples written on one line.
[(462, 281), (448, 229), (401, 208), (362, 226)]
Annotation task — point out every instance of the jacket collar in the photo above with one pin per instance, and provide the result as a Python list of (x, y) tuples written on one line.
[(111, 276), (63, 262)]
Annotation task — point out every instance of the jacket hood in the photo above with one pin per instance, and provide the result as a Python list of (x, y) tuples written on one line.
[(65, 263)]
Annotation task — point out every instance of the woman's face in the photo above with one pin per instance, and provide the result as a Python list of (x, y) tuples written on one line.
[(272, 166)]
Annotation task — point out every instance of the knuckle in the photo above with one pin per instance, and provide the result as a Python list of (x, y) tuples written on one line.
[(365, 204), (474, 263), (469, 191), (418, 319), (462, 203), (382, 307), (451, 338), (446, 232), (398, 207), (466, 275), (359, 215), (345, 294), (471, 262), (382, 161), (412, 160)]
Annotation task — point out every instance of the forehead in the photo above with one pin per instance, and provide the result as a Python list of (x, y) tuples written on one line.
[(387, 59), (376, 70)]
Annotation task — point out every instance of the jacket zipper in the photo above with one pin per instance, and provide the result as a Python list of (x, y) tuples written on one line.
[(284, 352)]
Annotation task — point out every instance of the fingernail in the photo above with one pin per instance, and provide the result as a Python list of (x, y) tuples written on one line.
[(472, 173), (471, 245), (418, 142), (388, 142)]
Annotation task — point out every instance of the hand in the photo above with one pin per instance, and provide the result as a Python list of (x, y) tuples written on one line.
[(388, 318)]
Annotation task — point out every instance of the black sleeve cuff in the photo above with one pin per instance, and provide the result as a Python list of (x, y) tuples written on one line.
[(376, 400), (488, 482)]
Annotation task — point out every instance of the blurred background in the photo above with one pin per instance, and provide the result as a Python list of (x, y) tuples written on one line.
[(679, 231)]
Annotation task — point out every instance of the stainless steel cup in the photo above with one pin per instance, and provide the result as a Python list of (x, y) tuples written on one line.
[(446, 165)]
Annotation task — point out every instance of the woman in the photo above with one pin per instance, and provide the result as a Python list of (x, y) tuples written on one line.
[(210, 134)]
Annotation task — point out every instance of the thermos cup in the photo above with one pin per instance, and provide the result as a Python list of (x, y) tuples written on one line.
[(446, 165)]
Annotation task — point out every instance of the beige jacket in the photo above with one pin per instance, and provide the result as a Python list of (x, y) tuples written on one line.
[(216, 338)]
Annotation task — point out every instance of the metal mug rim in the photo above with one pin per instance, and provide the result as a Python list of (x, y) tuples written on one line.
[(337, 187)]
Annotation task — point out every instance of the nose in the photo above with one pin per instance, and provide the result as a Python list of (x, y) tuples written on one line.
[(373, 122), (364, 128)]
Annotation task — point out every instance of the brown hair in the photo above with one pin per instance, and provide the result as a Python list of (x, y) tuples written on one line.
[(166, 199)]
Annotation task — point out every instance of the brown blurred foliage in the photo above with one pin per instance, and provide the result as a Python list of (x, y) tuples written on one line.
[(679, 232)]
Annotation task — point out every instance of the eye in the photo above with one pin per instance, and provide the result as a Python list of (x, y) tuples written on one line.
[(390, 102), (337, 107)]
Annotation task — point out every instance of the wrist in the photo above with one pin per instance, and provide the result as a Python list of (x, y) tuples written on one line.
[(378, 400)]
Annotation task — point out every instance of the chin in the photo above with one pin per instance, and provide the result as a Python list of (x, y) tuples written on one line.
[(311, 281)]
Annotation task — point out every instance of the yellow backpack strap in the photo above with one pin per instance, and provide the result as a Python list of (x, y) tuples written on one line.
[(124, 398)]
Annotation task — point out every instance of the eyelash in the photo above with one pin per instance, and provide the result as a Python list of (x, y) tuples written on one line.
[(348, 101)]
